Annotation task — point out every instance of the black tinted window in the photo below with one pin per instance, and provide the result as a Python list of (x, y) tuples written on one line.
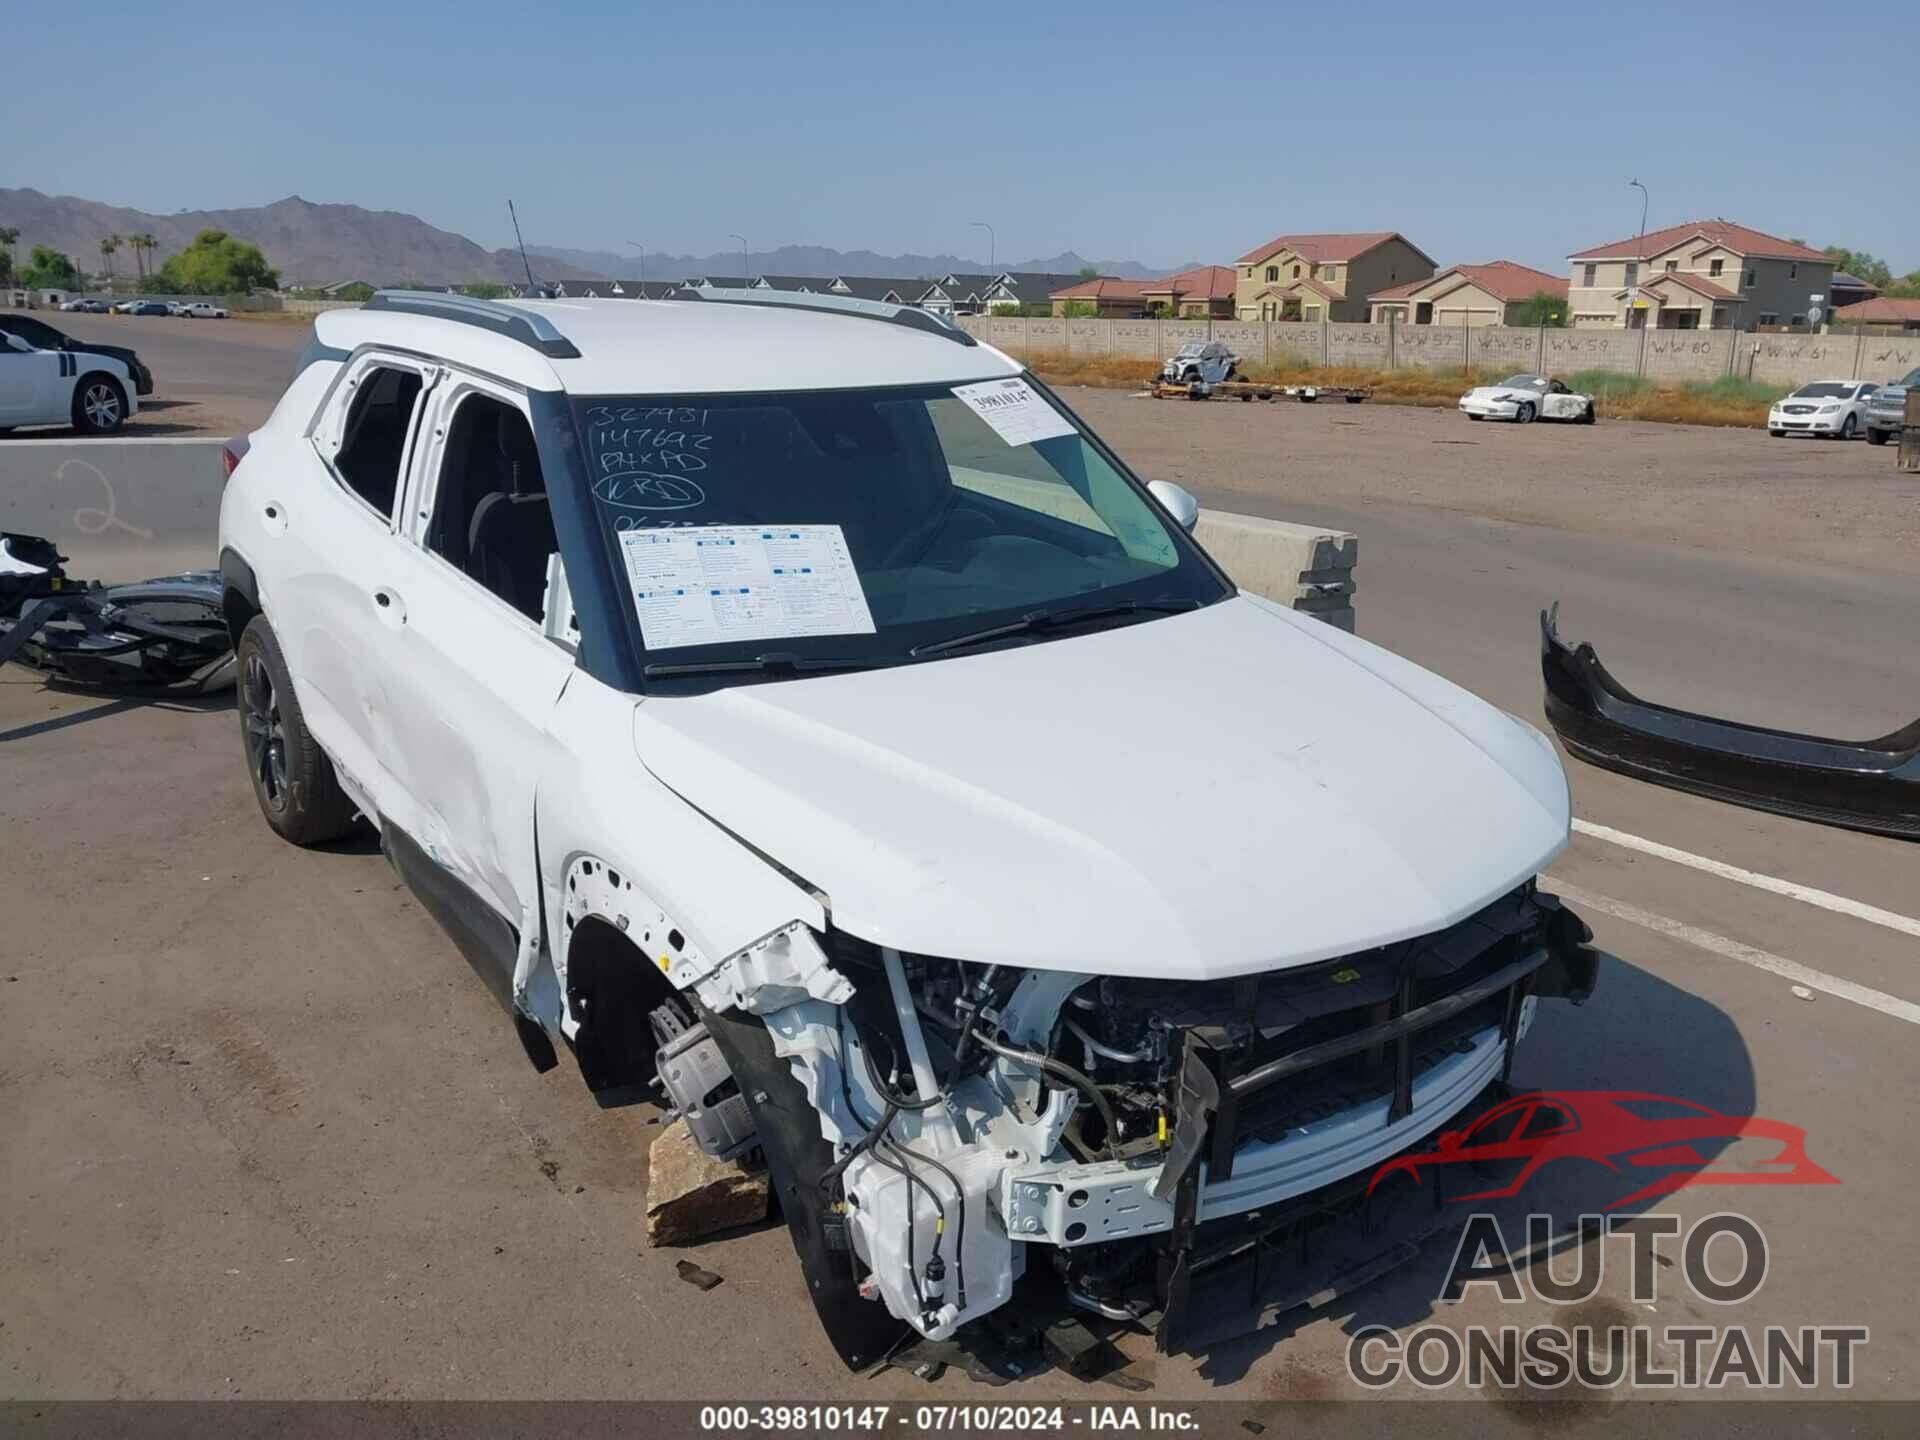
[(43, 337), (379, 418)]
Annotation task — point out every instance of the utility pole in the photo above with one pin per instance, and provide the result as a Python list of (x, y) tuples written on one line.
[(1639, 256), (745, 278), (643, 264)]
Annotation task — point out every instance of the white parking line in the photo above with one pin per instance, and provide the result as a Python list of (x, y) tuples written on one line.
[(1746, 954), (1826, 900), (94, 442)]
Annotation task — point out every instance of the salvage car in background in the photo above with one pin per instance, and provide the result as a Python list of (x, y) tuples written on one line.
[(1208, 361), (1832, 409), (1526, 398), (765, 685)]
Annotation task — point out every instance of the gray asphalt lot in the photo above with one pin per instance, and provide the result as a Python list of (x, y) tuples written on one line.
[(268, 1136)]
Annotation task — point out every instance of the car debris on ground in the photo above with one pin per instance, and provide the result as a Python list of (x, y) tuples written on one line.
[(166, 635)]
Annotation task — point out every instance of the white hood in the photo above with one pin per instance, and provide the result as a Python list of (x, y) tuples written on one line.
[(1217, 793)]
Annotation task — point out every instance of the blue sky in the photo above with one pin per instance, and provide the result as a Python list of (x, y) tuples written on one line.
[(1160, 132)]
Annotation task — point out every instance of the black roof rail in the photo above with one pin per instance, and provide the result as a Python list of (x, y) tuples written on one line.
[(510, 321), (912, 318)]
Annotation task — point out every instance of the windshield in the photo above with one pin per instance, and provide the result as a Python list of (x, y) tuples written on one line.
[(1823, 390), (854, 528), (1524, 382)]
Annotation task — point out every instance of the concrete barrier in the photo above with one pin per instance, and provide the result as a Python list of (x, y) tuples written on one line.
[(1306, 566), (119, 509)]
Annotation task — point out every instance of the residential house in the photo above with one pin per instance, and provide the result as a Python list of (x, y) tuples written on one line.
[(1204, 292), (719, 282), (1324, 277), (1104, 296), (955, 294), (1469, 295), (1881, 313), (1704, 274), (1025, 288), (640, 289), (1848, 290), (872, 287), (795, 284)]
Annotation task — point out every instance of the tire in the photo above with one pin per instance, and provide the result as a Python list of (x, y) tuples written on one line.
[(292, 778), (1589, 417), (1846, 430), (1475, 418), (1778, 434), (1524, 415), (1876, 437), (99, 405)]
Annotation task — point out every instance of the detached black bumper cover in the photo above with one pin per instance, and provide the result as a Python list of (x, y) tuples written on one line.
[(1871, 785)]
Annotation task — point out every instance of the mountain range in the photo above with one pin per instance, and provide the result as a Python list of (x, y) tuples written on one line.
[(317, 244)]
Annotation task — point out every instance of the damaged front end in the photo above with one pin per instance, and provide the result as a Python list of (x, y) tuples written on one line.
[(937, 1130), (167, 635), (1871, 785)]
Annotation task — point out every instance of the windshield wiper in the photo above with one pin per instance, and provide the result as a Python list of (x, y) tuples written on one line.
[(774, 662), (1053, 620)]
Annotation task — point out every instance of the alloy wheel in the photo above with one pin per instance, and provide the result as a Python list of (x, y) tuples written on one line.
[(266, 734)]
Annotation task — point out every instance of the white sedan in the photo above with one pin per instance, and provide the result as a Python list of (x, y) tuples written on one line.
[(1526, 398), (1836, 409), (92, 393)]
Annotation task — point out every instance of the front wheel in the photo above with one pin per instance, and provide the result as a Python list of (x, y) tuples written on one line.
[(292, 778), (1524, 415), (1589, 417), (99, 405), (1778, 434), (1876, 437), (1847, 428)]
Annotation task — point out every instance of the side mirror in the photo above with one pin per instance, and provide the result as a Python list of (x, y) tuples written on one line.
[(1177, 502), (14, 342)]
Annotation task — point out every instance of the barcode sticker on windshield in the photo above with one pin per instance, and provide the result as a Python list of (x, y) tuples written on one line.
[(711, 584), (1014, 409)]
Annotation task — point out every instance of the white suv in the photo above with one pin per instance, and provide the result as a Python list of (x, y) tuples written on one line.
[(786, 701)]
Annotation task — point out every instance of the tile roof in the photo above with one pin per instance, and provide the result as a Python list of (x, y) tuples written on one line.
[(1103, 286), (1202, 282), (1886, 310), (1740, 239), (1699, 284), (1502, 279), (1305, 282), (1322, 249)]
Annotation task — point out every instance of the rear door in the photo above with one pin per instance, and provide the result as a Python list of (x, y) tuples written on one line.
[(329, 520)]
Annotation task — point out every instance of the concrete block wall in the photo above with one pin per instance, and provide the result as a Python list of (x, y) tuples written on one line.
[(1675, 355)]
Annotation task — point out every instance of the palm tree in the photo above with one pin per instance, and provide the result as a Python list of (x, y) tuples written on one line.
[(8, 235), (107, 246), (149, 245)]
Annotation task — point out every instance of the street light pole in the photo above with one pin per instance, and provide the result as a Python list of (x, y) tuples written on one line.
[(745, 278), (643, 264), (993, 259), (1639, 258)]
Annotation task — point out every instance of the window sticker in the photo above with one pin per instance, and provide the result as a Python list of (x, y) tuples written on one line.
[(710, 584), (1014, 409)]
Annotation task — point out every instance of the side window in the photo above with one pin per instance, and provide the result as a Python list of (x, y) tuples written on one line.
[(491, 519), (373, 439)]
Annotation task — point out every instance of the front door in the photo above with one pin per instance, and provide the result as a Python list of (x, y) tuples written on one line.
[(476, 678), (27, 382)]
